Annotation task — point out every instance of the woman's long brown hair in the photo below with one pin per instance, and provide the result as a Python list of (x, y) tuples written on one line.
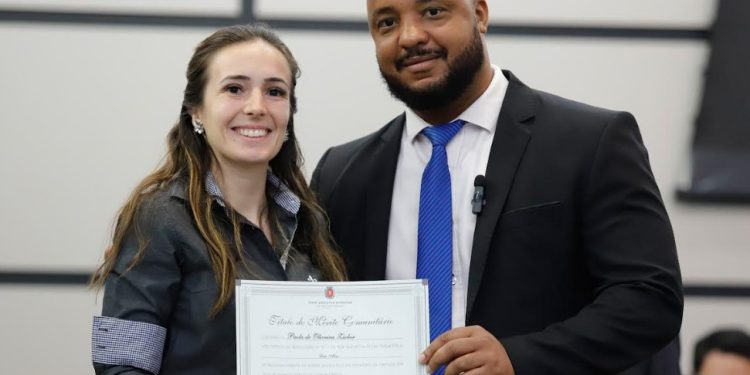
[(189, 157)]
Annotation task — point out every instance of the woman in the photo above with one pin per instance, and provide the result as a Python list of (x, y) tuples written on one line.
[(229, 202)]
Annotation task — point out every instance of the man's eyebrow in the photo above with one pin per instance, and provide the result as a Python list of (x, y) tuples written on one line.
[(383, 10), (391, 9)]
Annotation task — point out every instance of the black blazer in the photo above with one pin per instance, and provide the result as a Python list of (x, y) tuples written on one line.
[(573, 264)]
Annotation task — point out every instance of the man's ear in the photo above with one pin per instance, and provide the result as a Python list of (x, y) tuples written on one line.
[(482, 13)]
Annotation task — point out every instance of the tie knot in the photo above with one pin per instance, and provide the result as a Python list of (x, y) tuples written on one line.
[(440, 135)]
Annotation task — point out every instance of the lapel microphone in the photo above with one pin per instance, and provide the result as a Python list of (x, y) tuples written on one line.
[(477, 200)]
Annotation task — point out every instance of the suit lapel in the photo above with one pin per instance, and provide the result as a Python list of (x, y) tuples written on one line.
[(508, 147), (382, 172)]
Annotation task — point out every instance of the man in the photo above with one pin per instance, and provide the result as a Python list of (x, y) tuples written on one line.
[(723, 352), (565, 264)]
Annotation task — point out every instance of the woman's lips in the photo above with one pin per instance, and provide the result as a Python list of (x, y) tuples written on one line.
[(254, 132)]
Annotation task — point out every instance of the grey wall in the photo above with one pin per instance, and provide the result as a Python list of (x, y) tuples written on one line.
[(87, 101)]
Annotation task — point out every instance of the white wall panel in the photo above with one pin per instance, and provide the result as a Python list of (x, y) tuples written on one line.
[(341, 95), (645, 13), (305, 9), (632, 13), (46, 330), (228, 8), (85, 114)]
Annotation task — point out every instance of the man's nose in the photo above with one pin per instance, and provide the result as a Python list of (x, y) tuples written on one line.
[(412, 33)]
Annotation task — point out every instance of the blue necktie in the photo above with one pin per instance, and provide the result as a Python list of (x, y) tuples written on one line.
[(435, 233)]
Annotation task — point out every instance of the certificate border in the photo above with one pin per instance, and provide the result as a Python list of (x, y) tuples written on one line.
[(303, 288)]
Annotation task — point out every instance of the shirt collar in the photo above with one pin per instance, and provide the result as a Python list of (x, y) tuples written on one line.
[(482, 113), (283, 196)]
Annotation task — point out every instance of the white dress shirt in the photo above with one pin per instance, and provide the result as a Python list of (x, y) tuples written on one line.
[(468, 153)]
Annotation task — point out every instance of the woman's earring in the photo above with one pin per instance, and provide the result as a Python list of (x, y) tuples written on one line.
[(286, 135), (198, 126)]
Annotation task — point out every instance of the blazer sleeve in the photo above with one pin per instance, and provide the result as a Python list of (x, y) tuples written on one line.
[(329, 170), (317, 183), (629, 250)]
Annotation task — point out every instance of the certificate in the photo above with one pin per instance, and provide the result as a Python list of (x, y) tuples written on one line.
[(331, 328)]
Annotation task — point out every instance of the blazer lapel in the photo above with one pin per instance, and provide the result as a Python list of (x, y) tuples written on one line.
[(508, 147), (378, 197)]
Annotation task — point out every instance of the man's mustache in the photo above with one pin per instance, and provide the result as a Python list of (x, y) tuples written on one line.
[(419, 52)]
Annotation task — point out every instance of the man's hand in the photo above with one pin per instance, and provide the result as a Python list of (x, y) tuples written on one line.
[(467, 351)]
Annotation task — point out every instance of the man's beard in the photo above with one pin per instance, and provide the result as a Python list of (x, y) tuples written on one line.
[(461, 73)]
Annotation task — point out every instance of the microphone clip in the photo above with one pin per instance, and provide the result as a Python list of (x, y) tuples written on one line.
[(477, 199)]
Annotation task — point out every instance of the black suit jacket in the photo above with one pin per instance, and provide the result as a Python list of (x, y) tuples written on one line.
[(573, 264)]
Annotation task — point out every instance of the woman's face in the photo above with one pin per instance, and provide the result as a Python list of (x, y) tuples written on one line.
[(246, 105)]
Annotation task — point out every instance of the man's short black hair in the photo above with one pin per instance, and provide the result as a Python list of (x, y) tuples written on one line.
[(732, 341)]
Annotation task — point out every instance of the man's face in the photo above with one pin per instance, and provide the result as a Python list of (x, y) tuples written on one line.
[(719, 363), (428, 51)]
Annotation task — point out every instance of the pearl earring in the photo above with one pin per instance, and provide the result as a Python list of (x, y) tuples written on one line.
[(198, 127)]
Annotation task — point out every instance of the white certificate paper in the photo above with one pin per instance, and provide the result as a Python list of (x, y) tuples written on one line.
[(331, 328)]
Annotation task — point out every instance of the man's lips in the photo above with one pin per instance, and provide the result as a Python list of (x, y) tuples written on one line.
[(418, 59), (415, 59)]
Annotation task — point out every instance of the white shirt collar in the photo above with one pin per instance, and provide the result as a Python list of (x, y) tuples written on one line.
[(482, 113)]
